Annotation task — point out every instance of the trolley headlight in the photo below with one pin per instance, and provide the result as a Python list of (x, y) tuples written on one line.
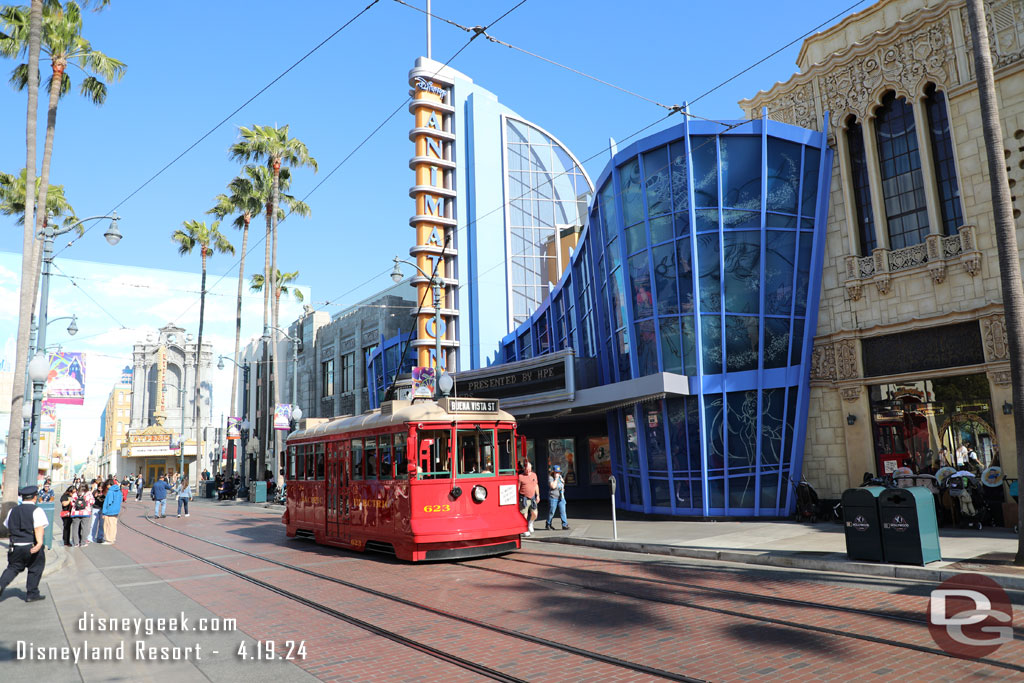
[(479, 493)]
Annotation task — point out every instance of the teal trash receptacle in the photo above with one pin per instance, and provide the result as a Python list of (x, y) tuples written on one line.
[(862, 525), (258, 492), (48, 508), (910, 531)]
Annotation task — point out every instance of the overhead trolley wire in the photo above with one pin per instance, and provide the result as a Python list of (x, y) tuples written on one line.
[(366, 139)]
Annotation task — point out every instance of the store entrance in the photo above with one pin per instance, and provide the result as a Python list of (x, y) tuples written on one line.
[(921, 425)]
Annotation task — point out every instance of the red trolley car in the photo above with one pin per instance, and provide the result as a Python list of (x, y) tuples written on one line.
[(427, 480)]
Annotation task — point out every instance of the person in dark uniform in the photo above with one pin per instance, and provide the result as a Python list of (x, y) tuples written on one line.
[(26, 524)]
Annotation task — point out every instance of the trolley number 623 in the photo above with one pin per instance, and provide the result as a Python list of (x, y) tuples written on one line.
[(437, 508)]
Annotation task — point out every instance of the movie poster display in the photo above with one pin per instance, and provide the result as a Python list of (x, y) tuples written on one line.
[(600, 460), (561, 452)]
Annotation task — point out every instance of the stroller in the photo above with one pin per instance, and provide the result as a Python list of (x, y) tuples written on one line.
[(968, 506), (807, 502)]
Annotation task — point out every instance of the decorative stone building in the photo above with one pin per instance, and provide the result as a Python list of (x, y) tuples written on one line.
[(910, 354), (163, 401)]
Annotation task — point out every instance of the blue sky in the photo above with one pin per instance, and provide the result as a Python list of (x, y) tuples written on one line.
[(191, 63)]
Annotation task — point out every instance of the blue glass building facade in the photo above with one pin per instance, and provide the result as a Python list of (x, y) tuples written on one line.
[(702, 257)]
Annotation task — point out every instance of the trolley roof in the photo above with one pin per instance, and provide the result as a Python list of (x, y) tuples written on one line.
[(401, 412)]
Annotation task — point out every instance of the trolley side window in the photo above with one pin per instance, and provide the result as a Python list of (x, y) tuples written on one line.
[(319, 462), (291, 462), (476, 451), (401, 468), (385, 471), (370, 457), (300, 459), (434, 454), (310, 463), (357, 459), (506, 452)]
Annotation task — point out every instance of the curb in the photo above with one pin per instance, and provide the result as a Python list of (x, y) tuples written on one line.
[(934, 575), (56, 558)]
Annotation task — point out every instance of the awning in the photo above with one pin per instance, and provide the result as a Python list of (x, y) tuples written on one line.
[(609, 397)]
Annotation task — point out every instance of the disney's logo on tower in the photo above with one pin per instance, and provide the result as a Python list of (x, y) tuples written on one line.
[(970, 616)]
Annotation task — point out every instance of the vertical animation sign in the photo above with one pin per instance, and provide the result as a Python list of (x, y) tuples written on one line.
[(434, 221)]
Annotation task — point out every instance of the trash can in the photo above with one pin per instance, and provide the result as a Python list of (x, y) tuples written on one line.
[(910, 532), (48, 533), (861, 524), (258, 492), (211, 489)]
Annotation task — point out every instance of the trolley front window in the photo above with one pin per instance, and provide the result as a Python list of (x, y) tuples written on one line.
[(476, 451), (319, 462), (434, 454), (506, 452), (291, 462)]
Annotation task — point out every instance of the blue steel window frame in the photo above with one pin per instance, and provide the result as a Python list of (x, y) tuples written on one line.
[(944, 163)]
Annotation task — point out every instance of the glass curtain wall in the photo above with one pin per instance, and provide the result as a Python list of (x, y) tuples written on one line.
[(545, 185), (701, 257)]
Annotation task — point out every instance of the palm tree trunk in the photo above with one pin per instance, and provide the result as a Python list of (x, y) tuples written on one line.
[(267, 407), (29, 263), (1006, 236), (199, 364), (238, 333), (275, 198)]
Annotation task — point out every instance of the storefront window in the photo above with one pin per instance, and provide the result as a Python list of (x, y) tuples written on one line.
[(926, 425)]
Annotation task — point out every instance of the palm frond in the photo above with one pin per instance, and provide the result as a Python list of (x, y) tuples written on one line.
[(93, 89)]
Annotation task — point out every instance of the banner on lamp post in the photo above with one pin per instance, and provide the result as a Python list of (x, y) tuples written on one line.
[(283, 416), (234, 431), (423, 382), (66, 380)]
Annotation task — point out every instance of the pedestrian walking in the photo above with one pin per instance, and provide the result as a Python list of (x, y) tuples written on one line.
[(65, 514), (140, 484), (81, 513), (111, 509), (184, 495), (529, 495), (159, 495), (556, 497), (26, 524)]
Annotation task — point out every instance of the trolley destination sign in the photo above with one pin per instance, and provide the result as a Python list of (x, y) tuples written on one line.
[(471, 405)]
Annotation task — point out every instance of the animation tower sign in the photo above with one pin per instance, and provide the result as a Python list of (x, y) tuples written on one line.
[(434, 193)]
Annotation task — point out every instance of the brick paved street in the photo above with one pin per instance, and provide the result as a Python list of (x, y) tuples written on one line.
[(707, 620)]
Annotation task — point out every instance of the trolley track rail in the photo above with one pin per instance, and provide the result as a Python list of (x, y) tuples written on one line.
[(454, 659)]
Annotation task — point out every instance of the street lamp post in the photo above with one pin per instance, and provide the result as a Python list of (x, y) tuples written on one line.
[(30, 472), (435, 284), (245, 407), (27, 409), (296, 411)]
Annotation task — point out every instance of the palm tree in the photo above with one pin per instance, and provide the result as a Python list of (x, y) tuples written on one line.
[(249, 194), (271, 145), (1006, 236), (257, 281), (29, 264), (194, 234), (12, 200), (28, 39)]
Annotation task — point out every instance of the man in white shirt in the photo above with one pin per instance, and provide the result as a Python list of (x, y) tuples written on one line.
[(26, 523)]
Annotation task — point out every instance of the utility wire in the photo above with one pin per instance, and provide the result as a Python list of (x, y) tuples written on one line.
[(228, 117), (89, 297), (366, 139)]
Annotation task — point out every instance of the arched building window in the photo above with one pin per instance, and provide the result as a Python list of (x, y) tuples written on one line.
[(942, 154), (899, 163), (861, 187)]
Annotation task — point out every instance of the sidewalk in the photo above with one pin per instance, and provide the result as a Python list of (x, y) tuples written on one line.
[(820, 546)]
